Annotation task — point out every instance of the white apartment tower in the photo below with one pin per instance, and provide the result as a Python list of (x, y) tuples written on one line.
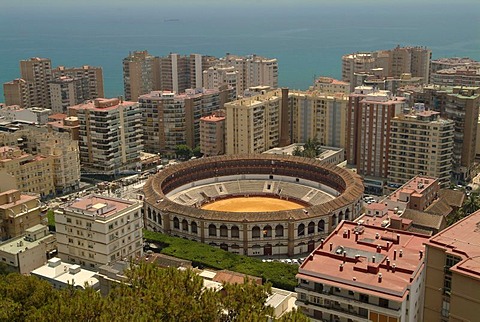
[(110, 135), (95, 230)]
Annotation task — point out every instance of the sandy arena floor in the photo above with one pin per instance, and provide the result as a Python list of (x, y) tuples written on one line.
[(252, 204)]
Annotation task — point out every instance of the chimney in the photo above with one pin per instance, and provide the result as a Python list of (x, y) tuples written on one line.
[(379, 277), (401, 253), (373, 259), (341, 267), (388, 245), (348, 234), (398, 238), (356, 236), (421, 254), (393, 267), (345, 233), (388, 263), (377, 235), (344, 256), (321, 243), (331, 246), (394, 254), (379, 249)]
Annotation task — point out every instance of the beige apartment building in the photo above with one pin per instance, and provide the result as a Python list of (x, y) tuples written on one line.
[(369, 118), (421, 143), (212, 134), (451, 62), (59, 147), (387, 63), (28, 251), (223, 74), (319, 115), (61, 123), (110, 135), (453, 272), (364, 273), (141, 74), (328, 85), (91, 79), (18, 212), (457, 76), (171, 119), (32, 173), (96, 230), (16, 93), (254, 124), (37, 72), (64, 92), (254, 70)]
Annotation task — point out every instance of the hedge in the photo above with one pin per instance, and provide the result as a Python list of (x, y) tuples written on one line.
[(279, 274)]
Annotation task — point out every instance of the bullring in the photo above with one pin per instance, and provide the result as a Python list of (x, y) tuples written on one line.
[(327, 194)]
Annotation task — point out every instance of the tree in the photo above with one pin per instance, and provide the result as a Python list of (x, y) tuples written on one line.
[(197, 153), (297, 151), (183, 152)]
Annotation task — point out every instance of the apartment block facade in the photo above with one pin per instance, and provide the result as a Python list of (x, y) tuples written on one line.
[(171, 119), (220, 75), (110, 135), (387, 63), (453, 272), (59, 147), (16, 93), (37, 72), (421, 143), (364, 273), (18, 212), (141, 74), (369, 118), (91, 79), (319, 115), (65, 92), (254, 124), (32, 173), (212, 134), (95, 230)]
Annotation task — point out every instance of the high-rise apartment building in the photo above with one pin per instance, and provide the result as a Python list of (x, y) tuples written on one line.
[(95, 230), (220, 75), (59, 147), (65, 92), (171, 119), (460, 104), (328, 85), (18, 212), (369, 119), (110, 135), (37, 72), (453, 272), (92, 79), (387, 63), (32, 173), (457, 76), (421, 143), (212, 134), (364, 273), (16, 93), (451, 62), (141, 74), (254, 70), (319, 115), (179, 73), (254, 124)]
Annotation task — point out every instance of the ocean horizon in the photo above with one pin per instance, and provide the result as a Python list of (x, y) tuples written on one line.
[(307, 38)]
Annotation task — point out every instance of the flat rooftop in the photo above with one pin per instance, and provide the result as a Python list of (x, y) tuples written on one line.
[(20, 244), (98, 205), (353, 257), (463, 240), (415, 187)]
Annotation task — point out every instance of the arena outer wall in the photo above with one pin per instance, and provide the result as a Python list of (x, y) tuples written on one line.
[(287, 232)]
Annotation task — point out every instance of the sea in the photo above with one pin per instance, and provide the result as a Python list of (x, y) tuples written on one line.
[(307, 37)]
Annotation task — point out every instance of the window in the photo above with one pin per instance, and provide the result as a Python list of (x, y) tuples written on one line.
[(382, 302), (235, 232), (176, 223), (184, 225), (69, 220), (267, 231), (363, 298), (311, 227), (212, 230), (223, 231), (256, 232), (301, 230), (193, 227), (321, 226), (279, 231)]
